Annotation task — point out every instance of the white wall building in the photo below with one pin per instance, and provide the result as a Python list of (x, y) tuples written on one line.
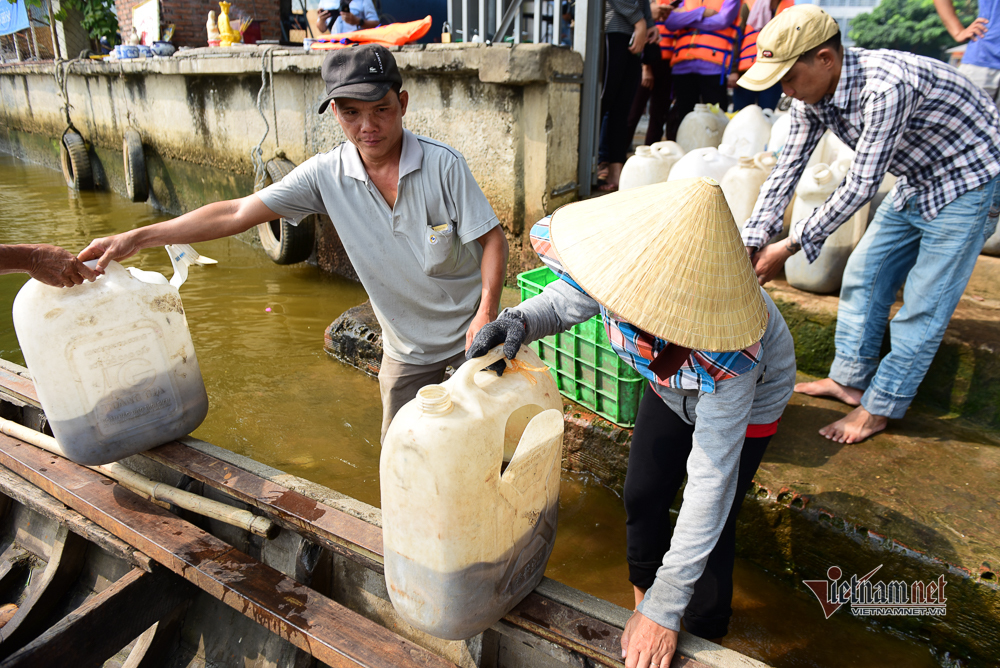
[(843, 11)]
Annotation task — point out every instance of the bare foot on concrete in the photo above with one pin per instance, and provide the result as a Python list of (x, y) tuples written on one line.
[(854, 427), (831, 388)]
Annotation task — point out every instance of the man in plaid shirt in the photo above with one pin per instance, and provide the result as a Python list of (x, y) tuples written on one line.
[(940, 135)]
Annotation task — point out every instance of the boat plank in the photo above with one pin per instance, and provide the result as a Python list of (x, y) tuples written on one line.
[(328, 525), (335, 635), (18, 387), (44, 504), (105, 622), (598, 641), (56, 580)]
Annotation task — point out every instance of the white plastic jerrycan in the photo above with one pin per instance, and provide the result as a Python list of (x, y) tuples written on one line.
[(645, 168), (708, 161), (748, 132), (668, 150), (700, 128), (113, 363), (464, 543), (825, 274), (741, 185)]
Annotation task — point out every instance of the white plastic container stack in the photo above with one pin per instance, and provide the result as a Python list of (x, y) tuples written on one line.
[(645, 168), (113, 363), (779, 133), (825, 274), (670, 151), (463, 542), (748, 132), (708, 161), (699, 129), (741, 184)]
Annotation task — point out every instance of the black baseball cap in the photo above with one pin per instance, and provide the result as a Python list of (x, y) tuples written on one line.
[(364, 72)]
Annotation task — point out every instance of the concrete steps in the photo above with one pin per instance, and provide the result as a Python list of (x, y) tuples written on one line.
[(921, 499)]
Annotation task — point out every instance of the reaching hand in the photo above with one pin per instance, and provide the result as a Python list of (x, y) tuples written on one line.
[(975, 30), (652, 35), (646, 644), (117, 247), (510, 329), (769, 260), (55, 266)]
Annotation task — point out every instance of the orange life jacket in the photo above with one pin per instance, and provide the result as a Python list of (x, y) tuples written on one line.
[(394, 34), (714, 46), (666, 42), (748, 51)]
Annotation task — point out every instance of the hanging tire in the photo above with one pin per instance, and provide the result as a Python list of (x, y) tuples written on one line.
[(75, 162), (283, 241), (136, 182)]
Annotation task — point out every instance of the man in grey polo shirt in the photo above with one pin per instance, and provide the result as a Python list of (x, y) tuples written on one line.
[(417, 228)]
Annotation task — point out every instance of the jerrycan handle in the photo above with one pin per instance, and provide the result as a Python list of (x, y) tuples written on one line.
[(465, 376)]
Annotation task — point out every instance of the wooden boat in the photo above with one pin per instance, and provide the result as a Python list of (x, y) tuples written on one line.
[(94, 574)]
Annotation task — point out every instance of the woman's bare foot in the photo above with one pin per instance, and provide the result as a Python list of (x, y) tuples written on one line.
[(855, 427), (831, 388)]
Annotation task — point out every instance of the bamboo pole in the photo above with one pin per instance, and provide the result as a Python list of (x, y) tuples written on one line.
[(158, 491)]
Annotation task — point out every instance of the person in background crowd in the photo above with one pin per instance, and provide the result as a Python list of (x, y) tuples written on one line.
[(703, 52), (981, 61), (628, 26), (44, 263), (346, 16), (939, 133), (655, 86), (753, 17)]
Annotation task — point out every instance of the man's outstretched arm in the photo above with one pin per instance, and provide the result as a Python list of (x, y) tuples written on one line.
[(212, 221)]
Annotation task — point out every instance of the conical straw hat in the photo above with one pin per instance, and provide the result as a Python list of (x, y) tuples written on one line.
[(667, 258)]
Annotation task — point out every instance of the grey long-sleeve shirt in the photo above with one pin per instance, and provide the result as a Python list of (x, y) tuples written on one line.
[(720, 421)]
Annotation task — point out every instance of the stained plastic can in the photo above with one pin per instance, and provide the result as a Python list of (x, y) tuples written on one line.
[(465, 542), (113, 363)]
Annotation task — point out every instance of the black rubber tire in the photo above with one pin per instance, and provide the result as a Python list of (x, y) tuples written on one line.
[(283, 241), (136, 182), (75, 162)]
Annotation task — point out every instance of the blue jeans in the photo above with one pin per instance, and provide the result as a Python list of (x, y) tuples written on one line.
[(935, 259)]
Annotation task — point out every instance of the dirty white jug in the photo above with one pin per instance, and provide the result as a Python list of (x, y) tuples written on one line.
[(741, 185), (668, 150), (645, 168), (748, 132), (113, 363), (708, 161), (700, 128), (992, 245), (464, 543), (825, 274)]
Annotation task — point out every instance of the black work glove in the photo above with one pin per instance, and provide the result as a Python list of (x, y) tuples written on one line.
[(510, 329)]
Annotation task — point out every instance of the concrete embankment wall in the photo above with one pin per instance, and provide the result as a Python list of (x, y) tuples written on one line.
[(513, 112)]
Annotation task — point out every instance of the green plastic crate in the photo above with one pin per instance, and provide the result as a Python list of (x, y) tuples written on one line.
[(585, 367)]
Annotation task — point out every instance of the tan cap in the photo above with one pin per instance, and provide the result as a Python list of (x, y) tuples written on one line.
[(667, 258), (786, 37)]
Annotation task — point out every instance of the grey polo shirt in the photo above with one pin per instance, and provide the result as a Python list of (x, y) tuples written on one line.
[(419, 261)]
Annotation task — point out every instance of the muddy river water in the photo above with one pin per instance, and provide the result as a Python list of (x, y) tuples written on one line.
[(275, 396)]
